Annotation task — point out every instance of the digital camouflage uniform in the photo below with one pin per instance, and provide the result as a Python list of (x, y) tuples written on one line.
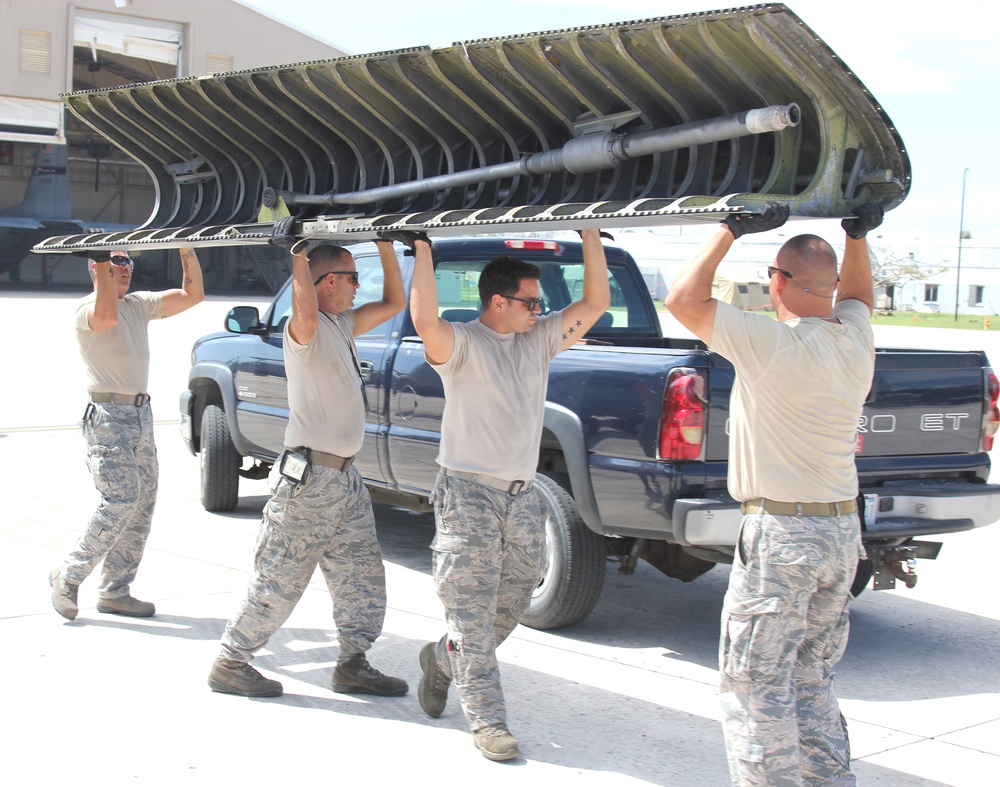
[(488, 551), (784, 628), (326, 521), (122, 459), (121, 453), (799, 389), (327, 518)]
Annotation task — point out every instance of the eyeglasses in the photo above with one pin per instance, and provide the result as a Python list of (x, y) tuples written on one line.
[(531, 303), (352, 274), (122, 261), (771, 270)]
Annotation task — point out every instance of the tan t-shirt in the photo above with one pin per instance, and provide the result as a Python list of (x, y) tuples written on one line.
[(800, 387), (117, 360), (494, 394), (326, 409)]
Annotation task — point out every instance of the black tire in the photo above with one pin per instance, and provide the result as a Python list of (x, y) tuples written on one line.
[(862, 577), (575, 559), (220, 462)]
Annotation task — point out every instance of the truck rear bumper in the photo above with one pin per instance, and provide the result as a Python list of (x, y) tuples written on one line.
[(892, 512)]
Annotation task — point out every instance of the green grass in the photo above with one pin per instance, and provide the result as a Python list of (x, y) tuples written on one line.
[(965, 322)]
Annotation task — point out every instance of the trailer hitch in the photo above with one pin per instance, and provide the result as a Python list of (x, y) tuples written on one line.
[(900, 562)]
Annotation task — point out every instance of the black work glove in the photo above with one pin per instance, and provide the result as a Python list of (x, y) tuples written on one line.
[(866, 218), (281, 233), (603, 233), (773, 216), (408, 238)]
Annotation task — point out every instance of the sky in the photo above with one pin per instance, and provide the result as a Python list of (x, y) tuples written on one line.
[(933, 68)]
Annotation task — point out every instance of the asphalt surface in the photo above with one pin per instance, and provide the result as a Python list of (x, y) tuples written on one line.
[(629, 697)]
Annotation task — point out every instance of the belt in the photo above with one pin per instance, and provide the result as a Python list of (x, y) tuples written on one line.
[(775, 508), (116, 398), (510, 487), (341, 463)]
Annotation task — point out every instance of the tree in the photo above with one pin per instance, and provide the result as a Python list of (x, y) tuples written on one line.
[(889, 268)]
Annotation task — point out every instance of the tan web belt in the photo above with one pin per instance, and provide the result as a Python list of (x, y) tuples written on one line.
[(777, 508), (116, 398)]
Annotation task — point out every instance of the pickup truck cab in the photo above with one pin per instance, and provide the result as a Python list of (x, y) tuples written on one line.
[(632, 462)]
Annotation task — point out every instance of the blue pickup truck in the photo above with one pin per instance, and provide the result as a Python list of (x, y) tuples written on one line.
[(632, 462)]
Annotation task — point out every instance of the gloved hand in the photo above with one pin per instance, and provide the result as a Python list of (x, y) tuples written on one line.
[(603, 233), (866, 218), (773, 216), (408, 238), (281, 233)]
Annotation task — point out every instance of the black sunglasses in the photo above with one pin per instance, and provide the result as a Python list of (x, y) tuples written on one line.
[(122, 261), (531, 303), (352, 274), (771, 270)]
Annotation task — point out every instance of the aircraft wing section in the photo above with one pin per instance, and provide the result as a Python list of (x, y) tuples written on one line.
[(661, 121)]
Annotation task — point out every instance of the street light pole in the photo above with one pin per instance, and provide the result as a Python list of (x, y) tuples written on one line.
[(961, 235)]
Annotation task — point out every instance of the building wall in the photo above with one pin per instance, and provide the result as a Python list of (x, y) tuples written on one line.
[(115, 189)]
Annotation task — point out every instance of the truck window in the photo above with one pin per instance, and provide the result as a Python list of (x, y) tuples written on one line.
[(561, 283)]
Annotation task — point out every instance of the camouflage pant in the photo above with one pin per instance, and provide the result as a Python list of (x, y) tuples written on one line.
[(326, 521), (487, 561), (122, 459), (784, 628)]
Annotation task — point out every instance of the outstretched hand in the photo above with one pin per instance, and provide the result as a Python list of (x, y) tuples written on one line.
[(866, 218), (771, 217), (408, 238), (281, 233), (603, 234)]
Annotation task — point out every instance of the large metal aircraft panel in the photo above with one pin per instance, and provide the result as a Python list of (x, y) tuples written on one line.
[(661, 121)]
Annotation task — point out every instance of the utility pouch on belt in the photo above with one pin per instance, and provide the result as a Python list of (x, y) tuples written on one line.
[(295, 465)]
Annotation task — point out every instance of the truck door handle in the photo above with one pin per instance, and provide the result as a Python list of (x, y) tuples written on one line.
[(366, 368)]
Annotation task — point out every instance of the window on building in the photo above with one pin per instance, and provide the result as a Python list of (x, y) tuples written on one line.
[(931, 293), (976, 292)]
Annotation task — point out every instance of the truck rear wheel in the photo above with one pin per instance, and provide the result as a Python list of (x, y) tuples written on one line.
[(575, 559), (220, 462), (862, 577)]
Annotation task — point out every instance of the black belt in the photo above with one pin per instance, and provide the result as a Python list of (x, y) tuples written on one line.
[(116, 398), (510, 487), (761, 505), (341, 463)]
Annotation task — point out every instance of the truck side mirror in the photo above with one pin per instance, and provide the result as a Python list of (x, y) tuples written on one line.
[(242, 319)]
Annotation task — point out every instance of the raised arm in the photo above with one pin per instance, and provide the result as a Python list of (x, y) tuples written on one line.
[(305, 305), (437, 334), (393, 300), (579, 316), (192, 289), (856, 270), (103, 315), (690, 299)]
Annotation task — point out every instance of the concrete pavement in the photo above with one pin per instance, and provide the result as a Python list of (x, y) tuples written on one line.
[(627, 698)]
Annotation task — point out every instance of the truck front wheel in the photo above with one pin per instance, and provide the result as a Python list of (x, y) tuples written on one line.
[(575, 559), (220, 462)]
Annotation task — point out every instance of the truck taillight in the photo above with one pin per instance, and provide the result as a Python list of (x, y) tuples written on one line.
[(991, 416), (683, 419)]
